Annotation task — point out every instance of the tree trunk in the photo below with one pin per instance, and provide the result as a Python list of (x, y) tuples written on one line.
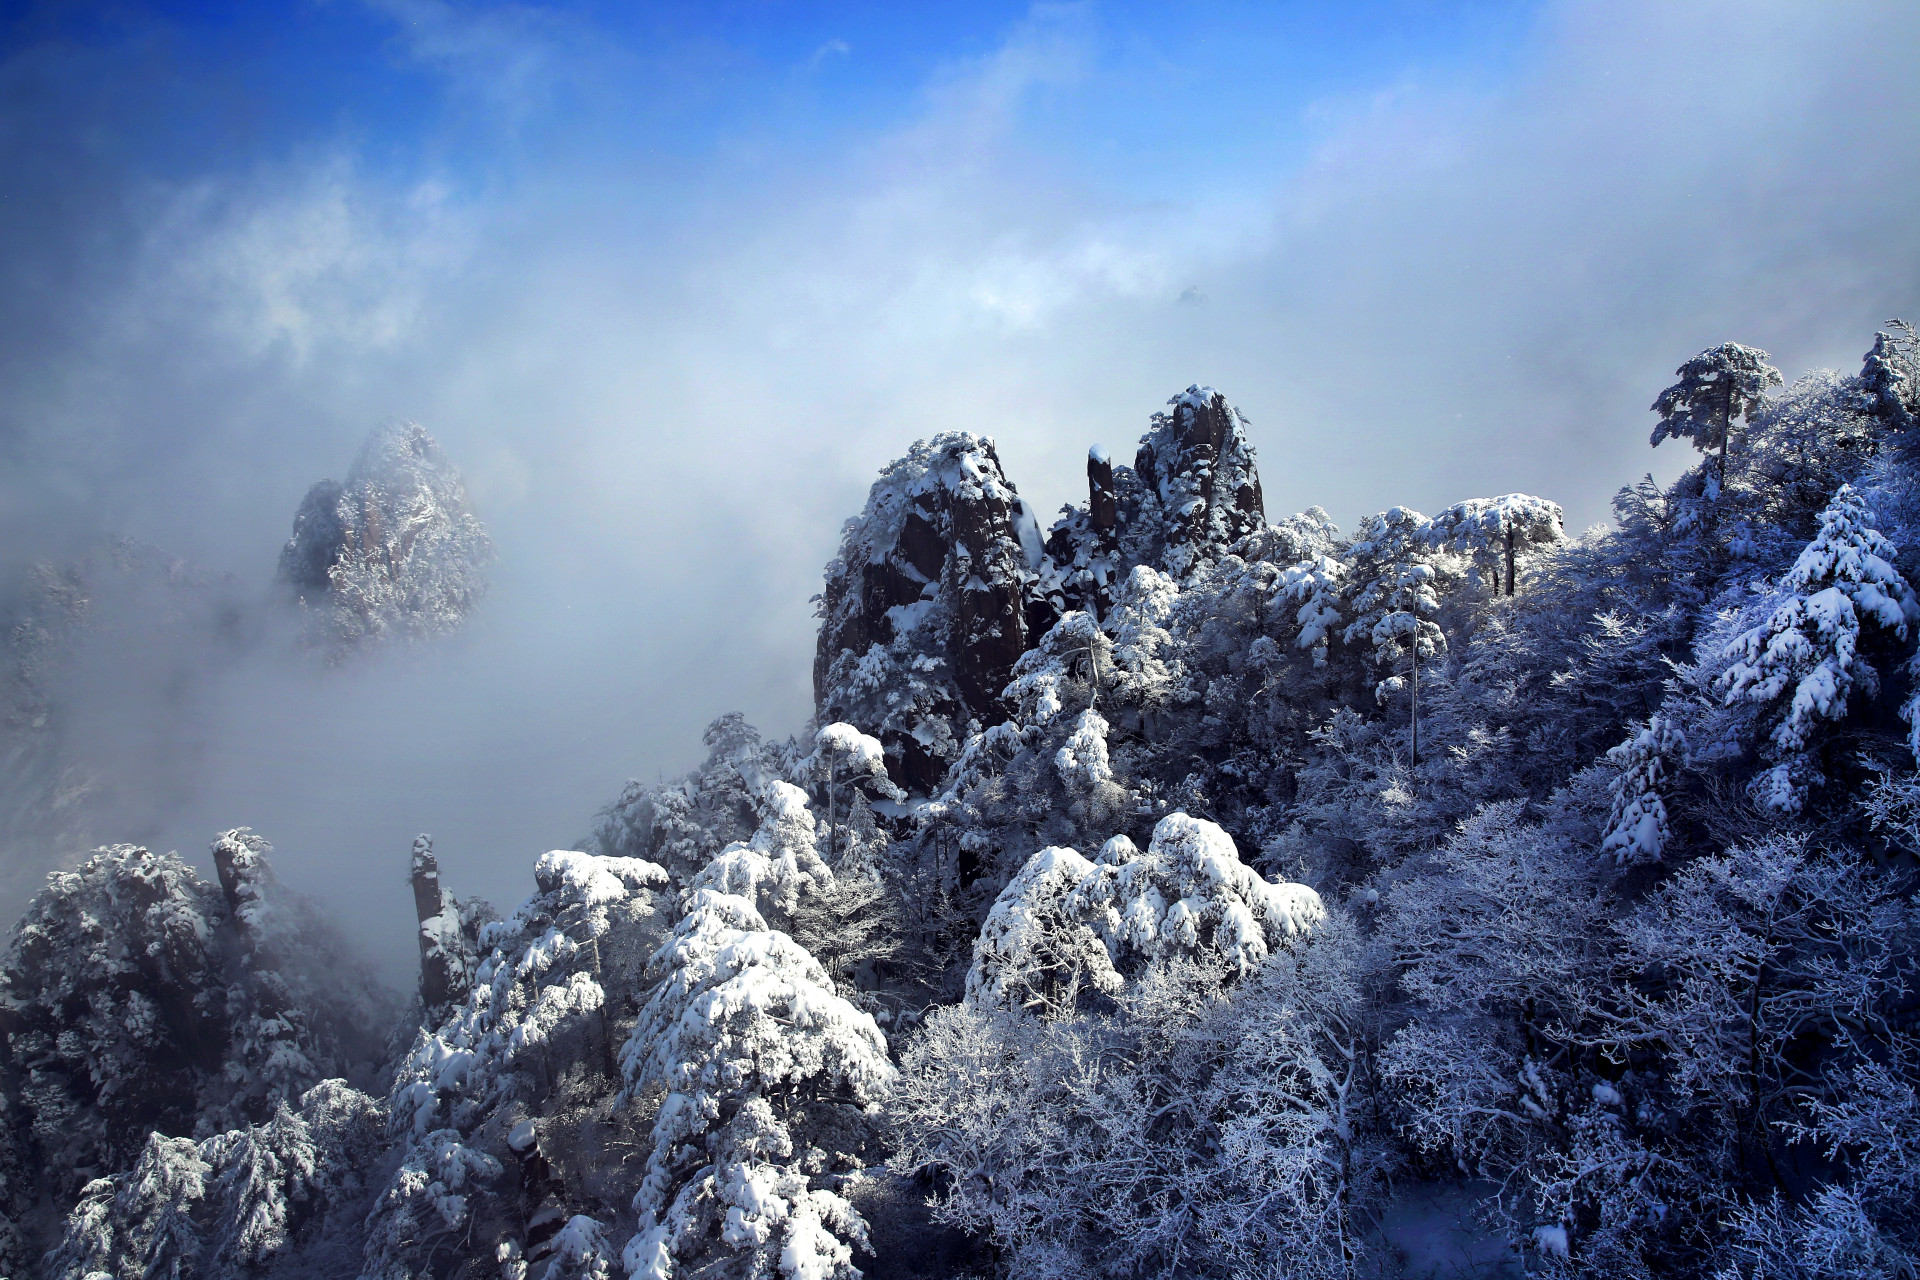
[(1416, 691), (1509, 560), (1726, 431), (833, 816)]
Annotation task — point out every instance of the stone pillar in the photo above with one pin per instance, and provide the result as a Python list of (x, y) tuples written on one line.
[(437, 961)]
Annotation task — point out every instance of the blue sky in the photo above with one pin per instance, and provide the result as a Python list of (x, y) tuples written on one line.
[(1180, 85), (673, 282)]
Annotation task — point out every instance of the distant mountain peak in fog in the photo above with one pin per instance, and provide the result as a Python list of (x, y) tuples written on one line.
[(394, 552)]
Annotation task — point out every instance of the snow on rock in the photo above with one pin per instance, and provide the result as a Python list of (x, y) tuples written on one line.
[(396, 551), (937, 587), (1195, 487)]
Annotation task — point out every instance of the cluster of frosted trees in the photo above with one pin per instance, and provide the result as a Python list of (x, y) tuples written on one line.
[(1280, 875)]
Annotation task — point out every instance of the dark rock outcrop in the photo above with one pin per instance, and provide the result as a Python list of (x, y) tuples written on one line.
[(939, 586), (942, 582), (1194, 489), (1084, 544)]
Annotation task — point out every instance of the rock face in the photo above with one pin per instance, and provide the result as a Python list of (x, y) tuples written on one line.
[(394, 551), (1084, 544), (940, 584), (443, 971), (1194, 489)]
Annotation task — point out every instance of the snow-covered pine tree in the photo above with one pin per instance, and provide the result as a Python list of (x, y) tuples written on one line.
[(1890, 378), (117, 1010), (1637, 828), (1392, 597), (1716, 387), (846, 760), (1493, 533), (750, 1054), (1798, 666), (534, 1012), (232, 1204), (1065, 925)]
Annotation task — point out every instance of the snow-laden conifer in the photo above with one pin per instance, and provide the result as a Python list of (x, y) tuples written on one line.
[(1637, 827), (1494, 533), (1716, 387), (1801, 663), (742, 1017), (782, 862), (232, 1204), (541, 980)]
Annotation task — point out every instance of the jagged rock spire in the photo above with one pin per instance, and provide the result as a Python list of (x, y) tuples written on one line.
[(1196, 486), (939, 585), (441, 972)]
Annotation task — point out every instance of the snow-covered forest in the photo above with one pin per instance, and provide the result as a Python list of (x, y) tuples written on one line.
[(1175, 889)]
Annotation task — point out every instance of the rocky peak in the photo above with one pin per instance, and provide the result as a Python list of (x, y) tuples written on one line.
[(395, 550), (1195, 488), (1084, 543), (939, 584)]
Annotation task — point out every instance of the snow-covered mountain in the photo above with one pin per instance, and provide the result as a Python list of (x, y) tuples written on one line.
[(394, 552), (1183, 894)]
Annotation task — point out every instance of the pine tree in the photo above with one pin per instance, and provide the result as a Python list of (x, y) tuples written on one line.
[(1489, 531), (1716, 387), (1065, 925), (745, 1035), (1801, 663), (1392, 599), (1637, 828), (1890, 377)]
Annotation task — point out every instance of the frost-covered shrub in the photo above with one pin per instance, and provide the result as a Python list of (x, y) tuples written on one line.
[(1198, 1129), (1065, 924), (745, 1042)]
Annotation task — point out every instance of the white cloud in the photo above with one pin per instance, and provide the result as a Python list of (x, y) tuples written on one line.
[(671, 381)]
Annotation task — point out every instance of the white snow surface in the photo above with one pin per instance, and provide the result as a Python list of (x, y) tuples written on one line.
[(1189, 893)]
